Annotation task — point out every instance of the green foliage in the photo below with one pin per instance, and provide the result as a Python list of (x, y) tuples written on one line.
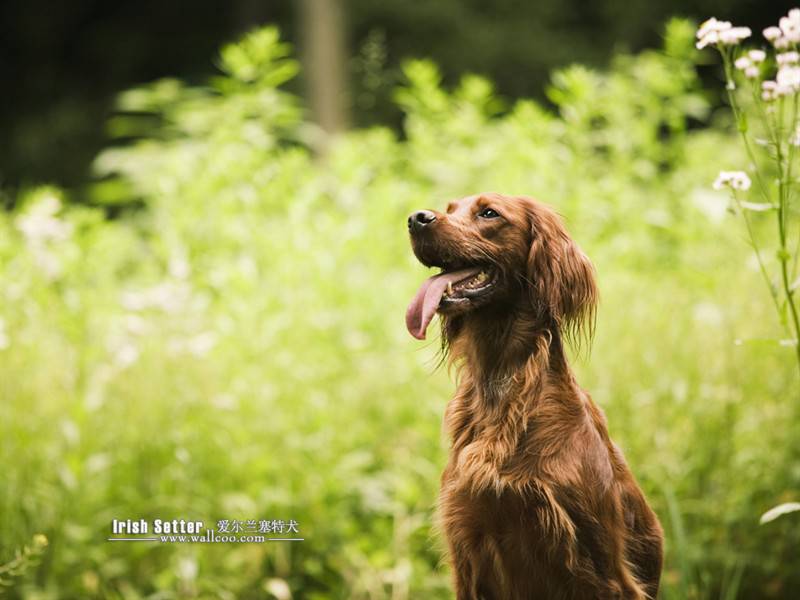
[(772, 105), (23, 560), (237, 349)]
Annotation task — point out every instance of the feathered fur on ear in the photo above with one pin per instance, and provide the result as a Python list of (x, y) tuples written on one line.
[(562, 277)]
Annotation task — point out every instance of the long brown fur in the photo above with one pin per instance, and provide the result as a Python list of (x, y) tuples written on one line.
[(536, 500)]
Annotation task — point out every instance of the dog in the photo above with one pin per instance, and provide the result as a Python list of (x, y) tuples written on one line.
[(536, 501)]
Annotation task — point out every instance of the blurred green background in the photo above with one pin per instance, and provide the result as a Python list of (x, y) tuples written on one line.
[(201, 306)]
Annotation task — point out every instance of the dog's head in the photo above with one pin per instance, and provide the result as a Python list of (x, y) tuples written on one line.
[(503, 251)]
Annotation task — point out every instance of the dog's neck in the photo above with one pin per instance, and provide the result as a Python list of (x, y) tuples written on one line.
[(499, 343), (509, 362)]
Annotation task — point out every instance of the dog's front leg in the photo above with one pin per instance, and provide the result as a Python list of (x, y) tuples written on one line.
[(464, 580)]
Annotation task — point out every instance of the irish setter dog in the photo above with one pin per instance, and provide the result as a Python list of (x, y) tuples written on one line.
[(536, 501)]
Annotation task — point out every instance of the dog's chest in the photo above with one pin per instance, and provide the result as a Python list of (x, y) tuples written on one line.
[(510, 538)]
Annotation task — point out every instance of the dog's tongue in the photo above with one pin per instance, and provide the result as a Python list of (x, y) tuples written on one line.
[(422, 308)]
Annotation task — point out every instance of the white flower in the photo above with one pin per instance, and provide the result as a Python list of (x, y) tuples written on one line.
[(781, 43), (751, 72), (179, 267), (709, 39), (709, 32), (168, 296), (734, 36), (40, 222), (790, 26), (736, 180), (201, 344), (135, 325), (772, 33), (712, 25), (42, 228), (772, 90), (757, 56), (126, 355), (786, 58), (788, 77), (742, 63), (786, 82)]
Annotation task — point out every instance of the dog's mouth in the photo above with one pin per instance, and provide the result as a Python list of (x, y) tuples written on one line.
[(449, 291)]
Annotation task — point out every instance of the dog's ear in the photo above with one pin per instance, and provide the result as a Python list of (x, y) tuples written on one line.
[(561, 277)]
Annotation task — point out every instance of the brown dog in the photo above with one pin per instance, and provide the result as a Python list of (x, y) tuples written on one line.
[(536, 500)]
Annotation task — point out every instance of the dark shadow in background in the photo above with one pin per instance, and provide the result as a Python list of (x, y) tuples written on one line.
[(61, 63)]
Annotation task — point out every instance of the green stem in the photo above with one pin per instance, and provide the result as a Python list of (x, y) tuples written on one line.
[(741, 124), (784, 191), (762, 267), (795, 137), (783, 197), (741, 127), (791, 153)]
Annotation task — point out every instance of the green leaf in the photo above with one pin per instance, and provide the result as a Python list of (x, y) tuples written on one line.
[(742, 122), (758, 206), (781, 509)]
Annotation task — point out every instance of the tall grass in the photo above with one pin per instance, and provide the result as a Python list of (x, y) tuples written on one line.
[(236, 349)]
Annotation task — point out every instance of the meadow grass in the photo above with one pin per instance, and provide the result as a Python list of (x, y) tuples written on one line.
[(236, 349)]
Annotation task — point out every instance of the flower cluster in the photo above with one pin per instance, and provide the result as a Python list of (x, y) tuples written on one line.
[(780, 136), (787, 81), (714, 32), (736, 180), (787, 33), (784, 38), (40, 223), (750, 62)]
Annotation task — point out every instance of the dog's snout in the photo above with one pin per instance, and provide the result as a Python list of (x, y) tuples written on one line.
[(420, 219)]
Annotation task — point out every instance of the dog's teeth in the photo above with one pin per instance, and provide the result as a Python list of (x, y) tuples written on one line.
[(449, 287)]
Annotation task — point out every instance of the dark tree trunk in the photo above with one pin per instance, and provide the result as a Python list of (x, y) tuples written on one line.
[(324, 59)]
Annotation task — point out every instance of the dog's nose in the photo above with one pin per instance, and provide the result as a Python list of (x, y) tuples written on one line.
[(420, 219)]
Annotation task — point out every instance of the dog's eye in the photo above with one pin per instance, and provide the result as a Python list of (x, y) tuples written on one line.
[(488, 213)]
